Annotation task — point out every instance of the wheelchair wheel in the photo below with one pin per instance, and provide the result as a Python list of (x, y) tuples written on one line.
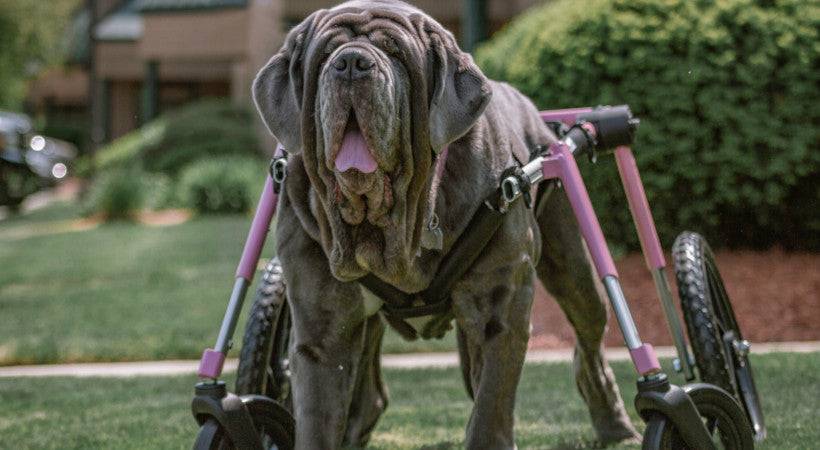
[(274, 425), (723, 417), (263, 361), (721, 353)]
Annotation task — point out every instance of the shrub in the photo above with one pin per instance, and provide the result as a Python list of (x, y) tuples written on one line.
[(127, 151), (206, 128), (158, 191), (209, 127), (119, 193), (727, 95), (115, 194), (221, 185)]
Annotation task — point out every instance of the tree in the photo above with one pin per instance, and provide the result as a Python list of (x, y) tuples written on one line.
[(31, 37)]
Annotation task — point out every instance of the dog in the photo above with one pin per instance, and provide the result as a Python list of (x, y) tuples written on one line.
[(366, 98)]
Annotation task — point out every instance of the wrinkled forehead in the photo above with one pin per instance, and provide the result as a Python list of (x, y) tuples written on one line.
[(372, 19), (397, 7)]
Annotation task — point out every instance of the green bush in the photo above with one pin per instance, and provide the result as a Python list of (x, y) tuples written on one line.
[(727, 93), (128, 150), (221, 185), (206, 145), (116, 194), (206, 128)]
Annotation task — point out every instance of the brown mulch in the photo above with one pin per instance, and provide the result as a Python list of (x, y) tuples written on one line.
[(775, 295)]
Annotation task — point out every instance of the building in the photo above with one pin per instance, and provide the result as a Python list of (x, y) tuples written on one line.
[(146, 56)]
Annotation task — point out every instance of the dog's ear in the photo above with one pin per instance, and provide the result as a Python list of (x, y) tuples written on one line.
[(461, 93), (278, 87)]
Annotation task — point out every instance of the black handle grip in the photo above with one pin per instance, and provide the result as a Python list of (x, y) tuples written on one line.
[(614, 126)]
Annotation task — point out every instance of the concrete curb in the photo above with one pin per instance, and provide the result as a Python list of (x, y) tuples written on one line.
[(404, 361)]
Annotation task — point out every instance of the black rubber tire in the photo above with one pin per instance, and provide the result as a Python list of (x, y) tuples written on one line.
[(724, 419), (274, 425), (713, 331), (263, 361)]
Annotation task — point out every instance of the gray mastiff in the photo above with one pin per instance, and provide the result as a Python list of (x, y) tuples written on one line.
[(366, 97)]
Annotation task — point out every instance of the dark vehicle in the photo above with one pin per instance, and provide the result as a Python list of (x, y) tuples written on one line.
[(29, 162)]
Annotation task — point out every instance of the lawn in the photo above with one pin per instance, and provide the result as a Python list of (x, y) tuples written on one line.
[(71, 290), (429, 408)]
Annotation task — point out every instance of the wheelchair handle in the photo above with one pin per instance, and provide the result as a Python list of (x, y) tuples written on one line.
[(612, 126)]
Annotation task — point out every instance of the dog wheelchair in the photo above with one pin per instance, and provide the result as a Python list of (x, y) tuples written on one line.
[(722, 410)]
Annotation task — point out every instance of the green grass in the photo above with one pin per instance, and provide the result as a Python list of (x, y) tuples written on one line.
[(429, 408), (121, 291)]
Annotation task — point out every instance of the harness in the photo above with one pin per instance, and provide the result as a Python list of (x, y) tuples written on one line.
[(398, 306)]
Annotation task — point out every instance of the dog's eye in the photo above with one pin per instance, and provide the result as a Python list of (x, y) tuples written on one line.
[(387, 43), (391, 47)]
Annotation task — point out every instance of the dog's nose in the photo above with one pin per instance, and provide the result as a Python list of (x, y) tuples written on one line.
[(352, 64)]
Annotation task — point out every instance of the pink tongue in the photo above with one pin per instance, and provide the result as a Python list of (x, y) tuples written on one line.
[(354, 153)]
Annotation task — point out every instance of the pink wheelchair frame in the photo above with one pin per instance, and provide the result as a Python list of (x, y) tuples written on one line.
[(657, 399)]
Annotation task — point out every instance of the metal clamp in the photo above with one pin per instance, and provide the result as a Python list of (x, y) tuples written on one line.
[(279, 172), (518, 182)]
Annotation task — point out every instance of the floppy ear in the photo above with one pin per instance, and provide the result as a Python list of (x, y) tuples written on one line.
[(461, 93), (277, 89)]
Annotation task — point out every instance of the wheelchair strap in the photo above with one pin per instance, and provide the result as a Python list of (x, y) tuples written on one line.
[(436, 299)]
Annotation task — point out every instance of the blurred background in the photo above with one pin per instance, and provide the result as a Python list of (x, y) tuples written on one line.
[(121, 63), (88, 72)]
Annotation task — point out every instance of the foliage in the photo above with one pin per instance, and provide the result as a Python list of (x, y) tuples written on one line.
[(203, 128), (127, 151), (207, 147), (221, 185), (30, 36), (119, 193), (115, 194), (210, 127), (727, 95)]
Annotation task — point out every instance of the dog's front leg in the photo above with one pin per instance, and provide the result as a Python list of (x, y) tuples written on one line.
[(321, 386), (493, 321), (325, 354), (327, 340)]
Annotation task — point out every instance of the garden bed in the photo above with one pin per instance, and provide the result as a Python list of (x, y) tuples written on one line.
[(774, 294)]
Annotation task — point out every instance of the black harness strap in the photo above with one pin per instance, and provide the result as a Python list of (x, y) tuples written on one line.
[(436, 298)]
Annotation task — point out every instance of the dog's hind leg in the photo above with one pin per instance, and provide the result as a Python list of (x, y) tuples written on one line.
[(567, 273), (492, 345), (370, 392)]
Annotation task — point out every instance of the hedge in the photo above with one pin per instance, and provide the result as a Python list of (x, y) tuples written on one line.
[(211, 128), (727, 94), (221, 184), (204, 128), (120, 193), (204, 156)]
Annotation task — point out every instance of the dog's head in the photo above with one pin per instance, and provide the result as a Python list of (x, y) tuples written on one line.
[(369, 93)]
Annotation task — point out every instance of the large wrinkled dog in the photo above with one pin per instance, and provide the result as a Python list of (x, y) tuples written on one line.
[(365, 97)]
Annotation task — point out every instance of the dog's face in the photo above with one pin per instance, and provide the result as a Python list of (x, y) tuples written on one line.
[(369, 93)]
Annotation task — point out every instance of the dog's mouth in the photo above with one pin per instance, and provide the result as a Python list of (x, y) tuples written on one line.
[(354, 152), (362, 188)]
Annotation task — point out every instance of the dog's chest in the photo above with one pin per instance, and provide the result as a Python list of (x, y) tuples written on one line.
[(372, 305)]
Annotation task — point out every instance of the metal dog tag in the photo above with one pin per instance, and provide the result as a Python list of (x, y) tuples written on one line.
[(431, 237)]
